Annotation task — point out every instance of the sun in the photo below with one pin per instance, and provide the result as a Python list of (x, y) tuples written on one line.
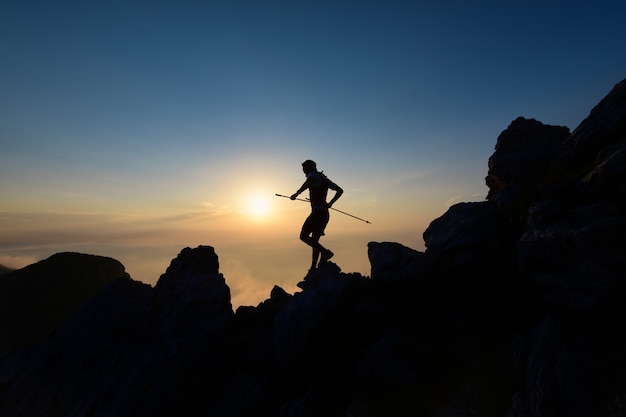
[(258, 207)]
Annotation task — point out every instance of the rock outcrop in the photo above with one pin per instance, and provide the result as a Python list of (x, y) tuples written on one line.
[(514, 309), (35, 299)]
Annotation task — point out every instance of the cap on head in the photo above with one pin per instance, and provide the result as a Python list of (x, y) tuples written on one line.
[(309, 166)]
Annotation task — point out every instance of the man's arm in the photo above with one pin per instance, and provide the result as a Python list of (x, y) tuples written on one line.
[(300, 190), (338, 191)]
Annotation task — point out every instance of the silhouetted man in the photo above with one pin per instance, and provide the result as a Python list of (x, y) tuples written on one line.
[(314, 225)]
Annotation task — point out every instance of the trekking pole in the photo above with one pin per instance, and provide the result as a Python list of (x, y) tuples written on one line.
[(332, 208)]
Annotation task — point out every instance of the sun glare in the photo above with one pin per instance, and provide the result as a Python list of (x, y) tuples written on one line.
[(258, 207)]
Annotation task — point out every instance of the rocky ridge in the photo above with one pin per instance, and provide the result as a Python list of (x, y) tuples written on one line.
[(514, 308)]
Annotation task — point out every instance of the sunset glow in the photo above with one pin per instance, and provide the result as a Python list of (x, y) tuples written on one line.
[(258, 207), (136, 129)]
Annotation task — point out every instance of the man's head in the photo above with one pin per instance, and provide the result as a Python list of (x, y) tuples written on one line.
[(308, 166)]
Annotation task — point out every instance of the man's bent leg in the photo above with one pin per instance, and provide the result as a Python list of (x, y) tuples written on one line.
[(312, 230), (314, 258), (317, 250)]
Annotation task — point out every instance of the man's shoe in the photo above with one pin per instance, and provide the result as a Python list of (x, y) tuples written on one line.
[(326, 255)]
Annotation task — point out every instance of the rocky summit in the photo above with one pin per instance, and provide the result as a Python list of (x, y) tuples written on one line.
[(514, 309)]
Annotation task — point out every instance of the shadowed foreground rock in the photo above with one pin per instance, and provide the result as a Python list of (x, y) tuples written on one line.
[(35, 299), (514, 309)]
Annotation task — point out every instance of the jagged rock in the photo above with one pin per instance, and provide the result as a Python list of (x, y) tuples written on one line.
[(574, 256), (248, 390), (519, 165), (295, 324), (575, 236), (393, 262), (594, 139), (573, 251), (130, 342), (572, 364), (469, 234), (191, 300)]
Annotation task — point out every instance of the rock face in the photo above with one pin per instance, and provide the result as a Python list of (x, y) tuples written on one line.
[(35, 299), (514, 309)]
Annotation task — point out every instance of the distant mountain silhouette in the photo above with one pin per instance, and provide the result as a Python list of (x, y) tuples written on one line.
[(5, 269), (35, 299), (515, 308)]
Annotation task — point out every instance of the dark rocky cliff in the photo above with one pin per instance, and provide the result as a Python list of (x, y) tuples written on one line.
[(514, 309), (35, 299)]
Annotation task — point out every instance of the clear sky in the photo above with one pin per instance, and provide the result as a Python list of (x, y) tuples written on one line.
[(134, 129)]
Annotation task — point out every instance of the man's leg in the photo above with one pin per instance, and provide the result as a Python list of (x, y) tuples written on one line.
[(321, 226), (317, 249), (313, 242), (312, 230)]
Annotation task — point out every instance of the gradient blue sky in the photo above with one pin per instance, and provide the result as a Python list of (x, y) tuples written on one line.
[(134, 129)]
